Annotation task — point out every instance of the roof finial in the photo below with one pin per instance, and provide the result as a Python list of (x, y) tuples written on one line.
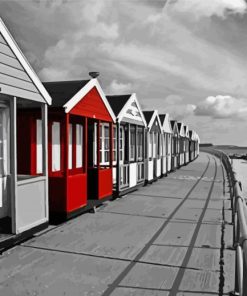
[(94, 74)]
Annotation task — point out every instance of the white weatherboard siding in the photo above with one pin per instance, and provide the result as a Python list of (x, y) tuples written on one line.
[(164, 165), (150, 170), (114, 175), (133, 174), (15, 80), (169, 159), (158, 168), (30, 207)]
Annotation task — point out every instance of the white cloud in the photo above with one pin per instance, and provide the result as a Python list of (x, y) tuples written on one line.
[(119, 88), (222, 107), (179, 112), (204, 8)]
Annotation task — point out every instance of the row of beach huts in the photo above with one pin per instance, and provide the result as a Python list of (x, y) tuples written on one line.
[(66, 147)]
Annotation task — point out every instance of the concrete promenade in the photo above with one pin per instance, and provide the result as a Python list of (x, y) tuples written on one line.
[(170, 238)]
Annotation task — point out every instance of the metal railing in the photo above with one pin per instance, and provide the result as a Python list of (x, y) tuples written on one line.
[(239, 220)]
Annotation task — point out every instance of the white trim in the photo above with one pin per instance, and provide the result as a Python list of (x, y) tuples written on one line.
[(25, 64), (181, 132), (133, 98), (155, 114), (167, 122), (32, 225), (81, 94)]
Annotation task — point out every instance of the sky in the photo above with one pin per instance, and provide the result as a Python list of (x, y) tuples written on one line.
[(182, 57)]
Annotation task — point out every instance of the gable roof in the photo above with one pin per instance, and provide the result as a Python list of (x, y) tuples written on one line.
[(30, 87), (127, 107), (68, 94), (186, 131), (165, 122), (181, 129), (150, 117), (63, 91), (174, 126), (117, 102)]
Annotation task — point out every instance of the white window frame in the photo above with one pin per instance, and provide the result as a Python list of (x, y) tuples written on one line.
[(39, 147), (140, 145), (103, 149), (56, 147), (79, 145), (132, 147)]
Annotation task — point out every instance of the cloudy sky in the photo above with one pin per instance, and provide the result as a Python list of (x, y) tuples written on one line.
[(183, 57)]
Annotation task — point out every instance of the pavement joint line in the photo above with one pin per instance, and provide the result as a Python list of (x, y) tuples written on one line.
[(175, 287), (134, 215), (122, 275), (186, 246), (142, 288), (106, 257), (158, 196)]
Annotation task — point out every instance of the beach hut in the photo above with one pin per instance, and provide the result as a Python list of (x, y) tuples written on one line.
[(197, 145), (80, 129), (181, 143), (153, 145), (192, 145), (186, 154), (129, 143), (166, 143), (23, 145), (175, 145)]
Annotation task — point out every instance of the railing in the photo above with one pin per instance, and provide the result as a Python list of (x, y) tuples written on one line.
[(239, 220)]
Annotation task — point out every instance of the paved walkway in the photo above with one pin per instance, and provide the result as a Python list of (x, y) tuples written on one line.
[(169, 238)]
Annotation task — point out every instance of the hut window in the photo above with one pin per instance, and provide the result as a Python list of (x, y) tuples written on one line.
[(140, 143), (56, 147), (121, 148), (154, 145), (104, 144), (114, 143), (79, 145), (70, 145), (39, 150), (75, 146), (132, 143), (150, 145)]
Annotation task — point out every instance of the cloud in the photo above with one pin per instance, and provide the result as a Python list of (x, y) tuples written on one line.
[(202, 8), (220, 107), (180, 112), (173, 99), (119, 88)]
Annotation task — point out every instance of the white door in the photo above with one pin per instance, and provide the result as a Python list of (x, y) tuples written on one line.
[(4, 161)]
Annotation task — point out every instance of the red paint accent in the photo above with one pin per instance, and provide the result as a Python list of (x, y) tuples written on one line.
[(92, 106), (77, 192), (27, 142), (105, 183), (68, 189)]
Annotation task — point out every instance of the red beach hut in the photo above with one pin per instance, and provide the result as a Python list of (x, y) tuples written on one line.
[(80, 125)]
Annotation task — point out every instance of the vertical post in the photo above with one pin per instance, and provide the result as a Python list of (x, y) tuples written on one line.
[(111, 143), (128, 160), (44, 118), (85, 145), (118, 157), (98, 143), (13, 165), (136, 150), (66, 156)]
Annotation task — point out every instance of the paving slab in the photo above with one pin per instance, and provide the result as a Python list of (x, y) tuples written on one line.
[(165, 255), (209, 236), (204, 258), (26, 271), (175, 233), (150, 277), (200, 281), (102, 234), (152, 206), (138, 292)]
